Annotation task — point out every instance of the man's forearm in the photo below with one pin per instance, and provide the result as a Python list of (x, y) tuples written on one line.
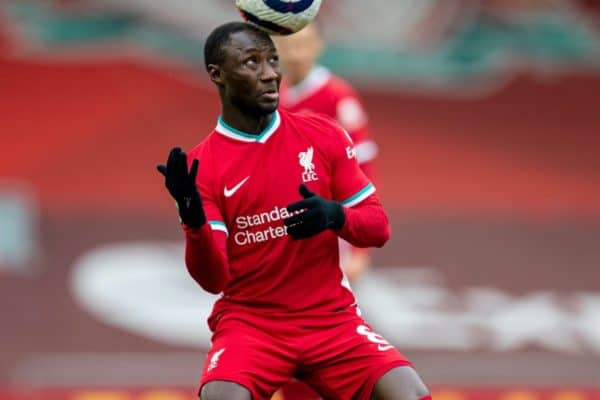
[(205, 258), (366, 224)]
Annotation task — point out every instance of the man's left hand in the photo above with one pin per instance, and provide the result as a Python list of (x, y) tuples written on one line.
[(312, 215)]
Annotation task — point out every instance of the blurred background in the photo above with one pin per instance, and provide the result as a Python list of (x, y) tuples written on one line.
[(486, 115)]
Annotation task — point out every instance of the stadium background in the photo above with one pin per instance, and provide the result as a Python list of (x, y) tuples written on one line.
[(486, 117)]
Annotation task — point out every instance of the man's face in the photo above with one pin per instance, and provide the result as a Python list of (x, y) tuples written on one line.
[(299, 52), (251, 74)]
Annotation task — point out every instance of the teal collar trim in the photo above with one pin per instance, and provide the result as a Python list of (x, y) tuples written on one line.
[(236, 134)]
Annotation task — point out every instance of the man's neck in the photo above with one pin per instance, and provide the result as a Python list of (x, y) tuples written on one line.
[(245, 122)]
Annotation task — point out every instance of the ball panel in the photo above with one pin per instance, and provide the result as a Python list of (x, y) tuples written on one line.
[(295, 7), (279, 16), (270, 27)]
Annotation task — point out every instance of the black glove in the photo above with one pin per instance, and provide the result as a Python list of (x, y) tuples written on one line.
[(316, 215), (182, 186)]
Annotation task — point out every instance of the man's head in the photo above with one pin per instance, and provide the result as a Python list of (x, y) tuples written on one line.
[(243, 62), (299, 52)]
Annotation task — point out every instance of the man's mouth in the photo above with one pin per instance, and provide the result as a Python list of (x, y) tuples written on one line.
[(271, 94)]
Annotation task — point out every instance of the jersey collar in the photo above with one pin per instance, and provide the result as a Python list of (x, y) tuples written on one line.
[(236, 134), (315, 80)]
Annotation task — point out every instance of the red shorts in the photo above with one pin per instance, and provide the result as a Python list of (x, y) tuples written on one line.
[(338, 355)]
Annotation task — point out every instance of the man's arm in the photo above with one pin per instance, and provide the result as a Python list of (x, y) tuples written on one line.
[(363, 225), (366, 224), (205, 250), (354, 212), (206, 257)]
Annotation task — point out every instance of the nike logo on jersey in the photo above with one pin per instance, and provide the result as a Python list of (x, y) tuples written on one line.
[(230, 192)]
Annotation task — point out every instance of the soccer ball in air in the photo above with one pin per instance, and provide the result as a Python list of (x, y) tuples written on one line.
[(279, 17)]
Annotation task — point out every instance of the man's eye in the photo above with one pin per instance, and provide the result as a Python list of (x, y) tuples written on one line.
[(250, 61), (274, 60)]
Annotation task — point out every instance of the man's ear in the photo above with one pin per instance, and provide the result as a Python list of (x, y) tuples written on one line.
[(215, 74)]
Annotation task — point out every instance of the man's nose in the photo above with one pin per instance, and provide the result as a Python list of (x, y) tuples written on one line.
[(268, 72)]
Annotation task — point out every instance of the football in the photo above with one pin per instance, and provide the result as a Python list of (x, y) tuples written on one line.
[(279, 17)]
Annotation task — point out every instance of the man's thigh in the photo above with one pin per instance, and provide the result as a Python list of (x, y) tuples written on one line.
[(248, 356), (400, 383), (345, 362)]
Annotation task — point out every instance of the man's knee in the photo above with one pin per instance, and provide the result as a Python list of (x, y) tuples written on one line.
[(400, 383), (224, 390)]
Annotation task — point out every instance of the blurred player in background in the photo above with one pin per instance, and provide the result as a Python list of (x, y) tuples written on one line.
[(262, 216), (309, 87)]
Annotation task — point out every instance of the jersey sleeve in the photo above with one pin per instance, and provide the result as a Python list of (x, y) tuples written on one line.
[(350, 185), (205, 247), (213, 214), (209, 198), (351, 115), (366, 223)]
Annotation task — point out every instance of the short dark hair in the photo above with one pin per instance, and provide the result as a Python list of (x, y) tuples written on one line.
[(219, 37)]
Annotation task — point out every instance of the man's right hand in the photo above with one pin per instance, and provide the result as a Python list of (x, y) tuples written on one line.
[(182, 186)]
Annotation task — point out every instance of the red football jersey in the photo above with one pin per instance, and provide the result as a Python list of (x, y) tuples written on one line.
[(246, 181), (324, 93)]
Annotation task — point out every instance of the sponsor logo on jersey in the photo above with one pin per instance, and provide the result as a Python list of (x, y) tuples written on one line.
[(250, 230), (305, 159)]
